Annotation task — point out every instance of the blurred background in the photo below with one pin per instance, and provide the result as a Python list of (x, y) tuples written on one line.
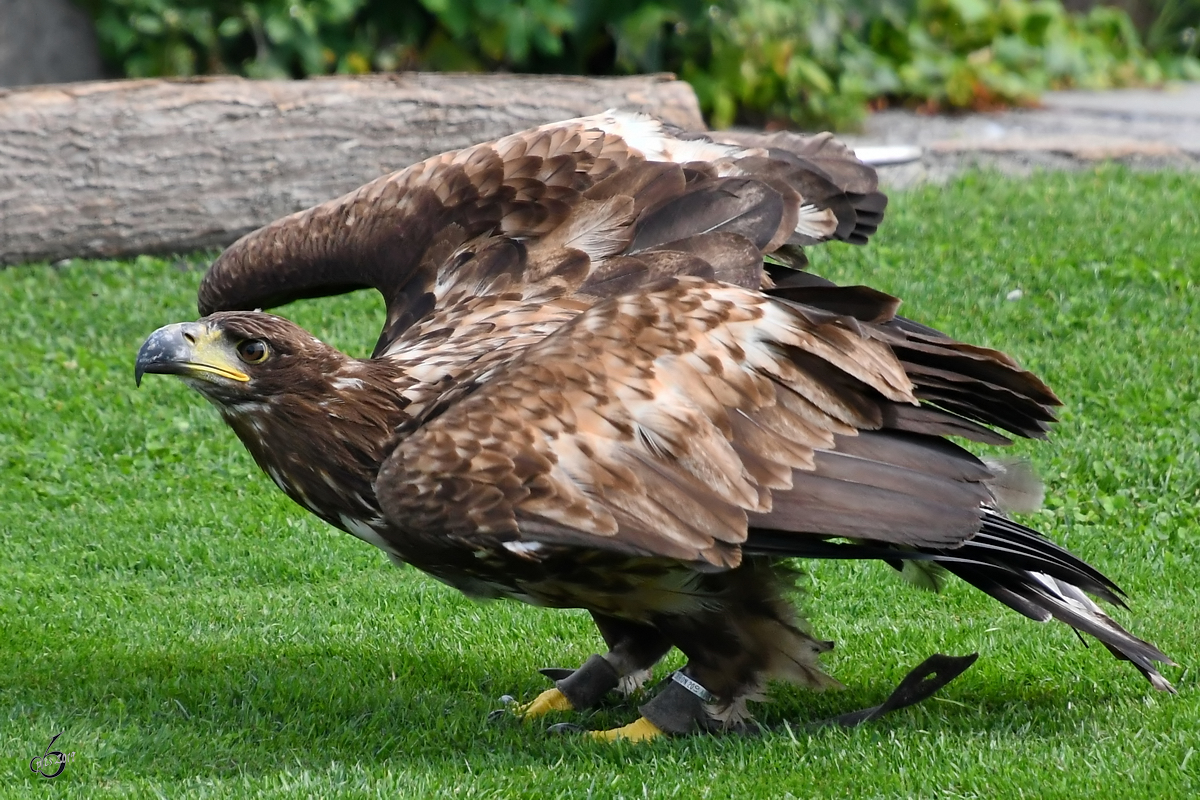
[(770, 63)]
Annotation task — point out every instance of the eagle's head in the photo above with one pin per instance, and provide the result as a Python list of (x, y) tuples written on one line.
[(317, 421), (238, 359)]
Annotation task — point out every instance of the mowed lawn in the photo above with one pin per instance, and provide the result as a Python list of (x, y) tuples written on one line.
[(192, 633)]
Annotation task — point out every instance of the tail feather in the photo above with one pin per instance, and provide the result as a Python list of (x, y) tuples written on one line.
[(1068, 604), (1006, 545), (1013, 564)]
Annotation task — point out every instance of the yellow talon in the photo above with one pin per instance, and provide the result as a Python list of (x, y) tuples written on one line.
[(544, 703), (641, 731)]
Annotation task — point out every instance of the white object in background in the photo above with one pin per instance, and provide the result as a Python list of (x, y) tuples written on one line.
[(887, 155)]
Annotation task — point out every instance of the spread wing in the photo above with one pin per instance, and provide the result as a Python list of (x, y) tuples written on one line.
[(668, 422), (578, 210)]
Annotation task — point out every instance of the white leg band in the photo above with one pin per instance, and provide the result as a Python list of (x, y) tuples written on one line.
[(692, 686)]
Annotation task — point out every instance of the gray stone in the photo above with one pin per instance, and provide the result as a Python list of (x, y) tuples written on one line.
[(1171, 101), (1143, 128), (46, 41)]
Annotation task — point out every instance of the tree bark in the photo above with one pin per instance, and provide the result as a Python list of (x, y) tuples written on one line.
[(117, 168)]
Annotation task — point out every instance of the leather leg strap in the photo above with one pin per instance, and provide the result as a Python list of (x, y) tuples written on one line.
[(930, 675), (586, 686), (675, 710), (679, 711)]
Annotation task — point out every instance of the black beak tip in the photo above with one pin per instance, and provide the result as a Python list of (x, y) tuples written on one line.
[(145, 358), (161, 350)]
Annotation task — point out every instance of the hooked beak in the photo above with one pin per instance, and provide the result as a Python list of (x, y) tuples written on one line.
[(189, 349)]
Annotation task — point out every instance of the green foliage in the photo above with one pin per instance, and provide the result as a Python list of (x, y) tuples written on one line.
[(765, 61), (825, 61), (1176, 29), (195, 634), (281, 38)]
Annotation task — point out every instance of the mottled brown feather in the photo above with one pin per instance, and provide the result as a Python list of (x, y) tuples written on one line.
[(614, 379)]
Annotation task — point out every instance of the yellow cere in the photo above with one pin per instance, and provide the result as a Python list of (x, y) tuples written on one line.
[(211, 354)]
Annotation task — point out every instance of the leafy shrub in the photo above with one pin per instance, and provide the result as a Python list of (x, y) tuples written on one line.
[(824, 61), (1176, 27), (768, 61), (281, 38)]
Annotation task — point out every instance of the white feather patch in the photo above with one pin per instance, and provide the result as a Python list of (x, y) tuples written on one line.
[(523, 549), (646, 135), (365, 532), (819, 223)]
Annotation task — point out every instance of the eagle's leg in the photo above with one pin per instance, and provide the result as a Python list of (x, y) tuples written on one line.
[(634, 649), (747, 635), (678, 708)]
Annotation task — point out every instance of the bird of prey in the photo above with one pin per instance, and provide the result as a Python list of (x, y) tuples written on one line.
[(606, 382)]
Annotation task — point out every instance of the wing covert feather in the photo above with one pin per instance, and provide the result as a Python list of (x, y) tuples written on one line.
[(656, 423)]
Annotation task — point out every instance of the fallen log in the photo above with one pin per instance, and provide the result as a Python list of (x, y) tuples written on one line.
[(118, 168)]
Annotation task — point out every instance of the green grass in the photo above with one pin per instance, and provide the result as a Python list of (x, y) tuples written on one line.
[(194, 634)]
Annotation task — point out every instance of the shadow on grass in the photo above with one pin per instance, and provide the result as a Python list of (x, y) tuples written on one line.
[(218, 712)]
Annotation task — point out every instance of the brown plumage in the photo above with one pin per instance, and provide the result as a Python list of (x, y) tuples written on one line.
[(592, 391)]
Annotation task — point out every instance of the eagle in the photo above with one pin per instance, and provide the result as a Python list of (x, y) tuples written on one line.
[(607, 381)]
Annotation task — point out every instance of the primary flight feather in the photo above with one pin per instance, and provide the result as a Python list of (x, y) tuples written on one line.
[(604, 383)]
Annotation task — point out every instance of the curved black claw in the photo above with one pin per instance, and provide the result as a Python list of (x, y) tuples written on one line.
[(502, 713), (565, 728), (574, 690)]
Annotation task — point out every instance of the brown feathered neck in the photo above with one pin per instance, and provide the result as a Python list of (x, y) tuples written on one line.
[(317, 421)]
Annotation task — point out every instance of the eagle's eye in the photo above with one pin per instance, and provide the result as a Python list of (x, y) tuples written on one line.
[(253, 351)]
